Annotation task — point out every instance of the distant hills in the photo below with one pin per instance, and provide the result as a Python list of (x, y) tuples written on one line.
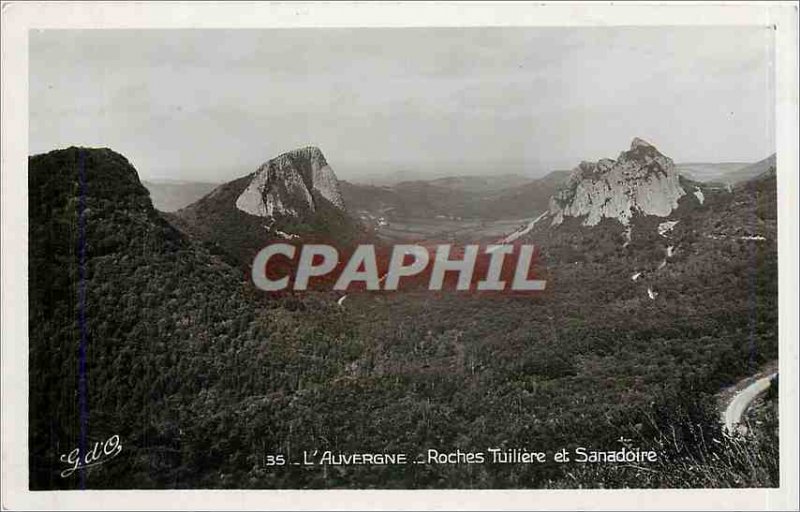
[(479, 184), (486, 198), (169, 196), (727, 173), (755, 170)]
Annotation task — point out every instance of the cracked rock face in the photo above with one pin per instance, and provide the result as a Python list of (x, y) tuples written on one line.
[(287, 185), (641, 179)]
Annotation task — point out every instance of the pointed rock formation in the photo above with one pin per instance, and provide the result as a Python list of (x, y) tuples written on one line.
[(291, 185), (640, 180)]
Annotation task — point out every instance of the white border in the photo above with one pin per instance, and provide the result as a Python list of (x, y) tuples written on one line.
[(19, 17)]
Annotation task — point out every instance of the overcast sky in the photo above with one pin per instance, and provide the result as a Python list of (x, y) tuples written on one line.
[(212, 105)]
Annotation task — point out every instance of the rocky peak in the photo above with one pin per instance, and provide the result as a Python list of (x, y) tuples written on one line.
[(305, 159), (640, 180), (291, 185), (645, 154)]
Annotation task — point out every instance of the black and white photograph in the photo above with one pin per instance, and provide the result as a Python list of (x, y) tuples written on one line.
[(431, 257)]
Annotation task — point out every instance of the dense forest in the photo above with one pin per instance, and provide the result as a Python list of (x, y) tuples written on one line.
[(203, 378)]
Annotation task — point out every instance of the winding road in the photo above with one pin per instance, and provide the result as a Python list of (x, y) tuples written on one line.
[(742, 400)]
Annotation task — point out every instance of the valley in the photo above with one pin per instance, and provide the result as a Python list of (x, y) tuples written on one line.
[(448, 230)]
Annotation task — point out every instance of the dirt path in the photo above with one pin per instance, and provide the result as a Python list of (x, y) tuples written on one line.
[(740, 397), (742, 400)]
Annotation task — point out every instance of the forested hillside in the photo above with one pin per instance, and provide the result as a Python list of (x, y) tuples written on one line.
[(202, 377), (182, 362)]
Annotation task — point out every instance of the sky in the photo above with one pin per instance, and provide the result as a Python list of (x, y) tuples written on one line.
[(212, 105)]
